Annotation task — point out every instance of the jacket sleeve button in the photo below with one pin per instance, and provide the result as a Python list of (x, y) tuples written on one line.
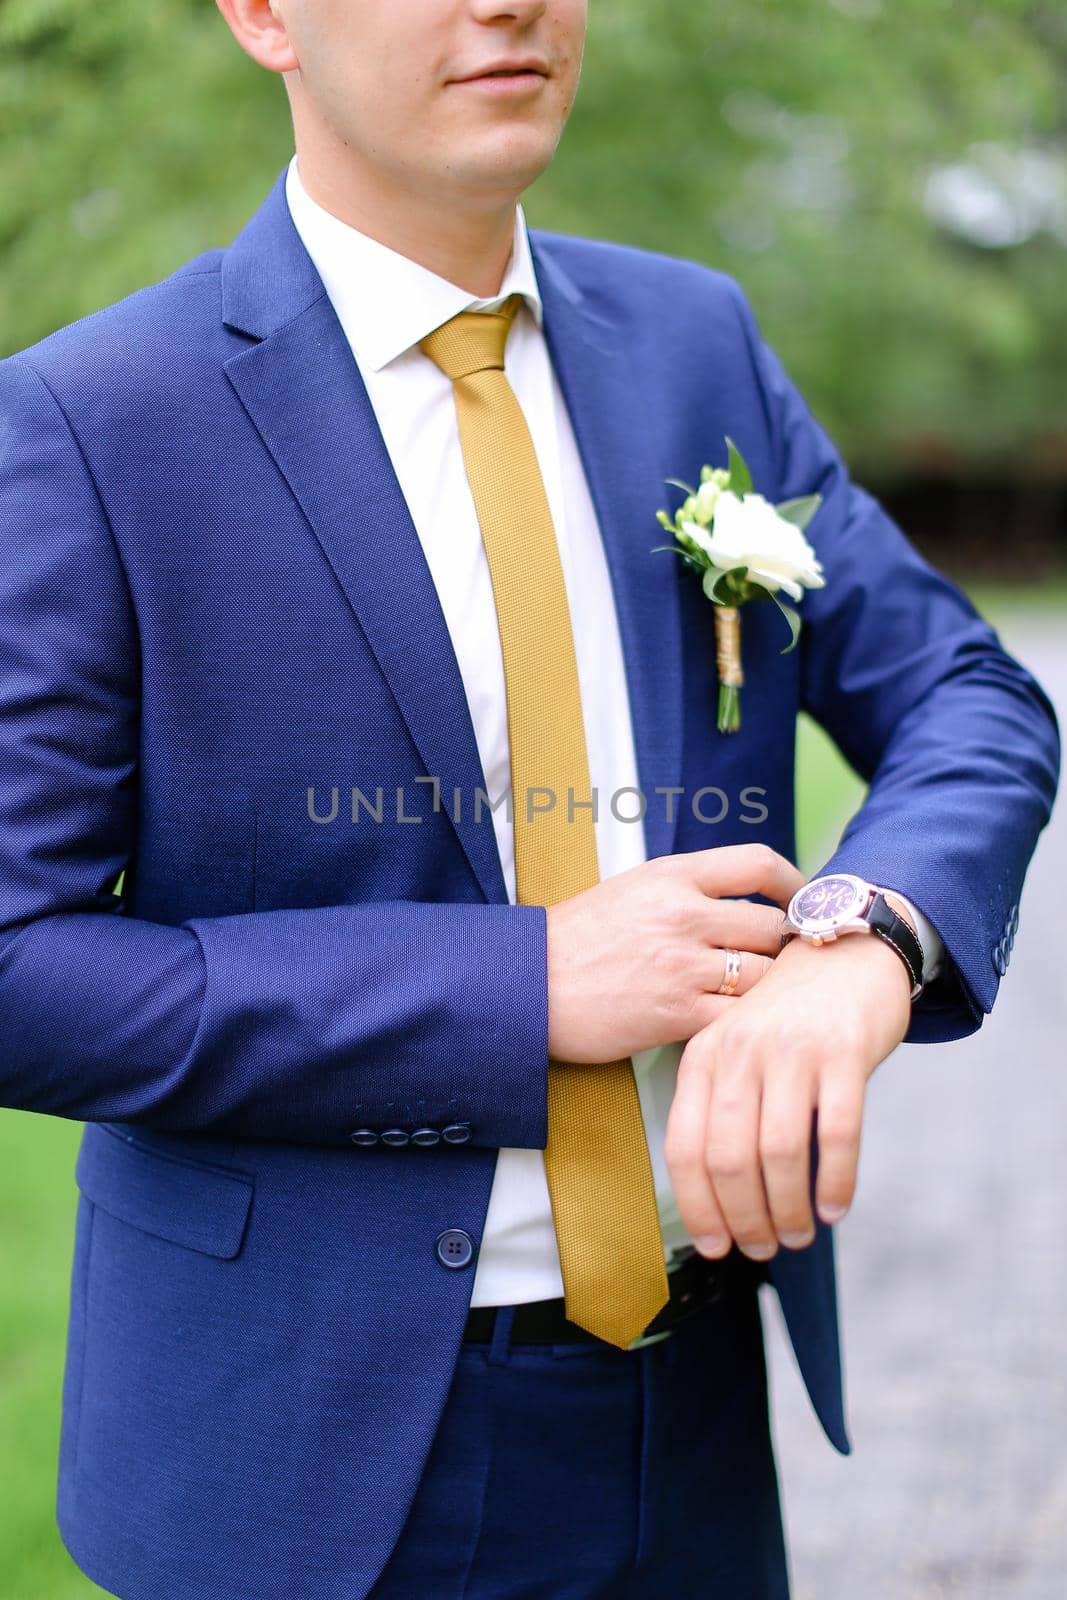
[(363, 1136), (425, 1136), (395, 1136), (456, 1133)]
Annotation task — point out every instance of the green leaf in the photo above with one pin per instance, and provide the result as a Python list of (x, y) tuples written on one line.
[(721, 588), (793, 619), (740, 477), (686, 555), (712, 579), (800, 512)]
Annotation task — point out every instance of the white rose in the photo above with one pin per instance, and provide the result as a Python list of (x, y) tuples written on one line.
[(749, 533)]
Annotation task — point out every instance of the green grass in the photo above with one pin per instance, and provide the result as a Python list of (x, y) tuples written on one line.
[(37, 1203), (998, 600), (828, 793)]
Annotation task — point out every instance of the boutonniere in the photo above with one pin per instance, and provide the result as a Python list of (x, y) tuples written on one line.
[(744, 549)]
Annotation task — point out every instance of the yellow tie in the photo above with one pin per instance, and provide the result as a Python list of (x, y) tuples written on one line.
[(596, 1161)]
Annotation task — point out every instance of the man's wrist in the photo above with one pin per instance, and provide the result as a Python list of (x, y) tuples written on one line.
[(852, 960)]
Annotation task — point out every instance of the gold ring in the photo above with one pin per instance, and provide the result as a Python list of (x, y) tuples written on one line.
[(731, 973)]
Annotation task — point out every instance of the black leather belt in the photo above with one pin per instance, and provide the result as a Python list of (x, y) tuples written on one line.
[(695, 1283)]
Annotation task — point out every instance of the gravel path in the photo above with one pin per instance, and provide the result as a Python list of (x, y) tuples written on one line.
[(952, 1275)]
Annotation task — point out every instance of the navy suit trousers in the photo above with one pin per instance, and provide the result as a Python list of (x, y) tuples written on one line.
[(574, 1471)]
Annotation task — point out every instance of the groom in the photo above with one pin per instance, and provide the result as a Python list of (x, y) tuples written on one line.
[(436, 1147)]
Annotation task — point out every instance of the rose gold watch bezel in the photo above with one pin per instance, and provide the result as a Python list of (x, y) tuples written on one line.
[(812, 933)]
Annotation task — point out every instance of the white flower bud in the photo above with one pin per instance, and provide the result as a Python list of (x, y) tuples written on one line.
[(707, 498)]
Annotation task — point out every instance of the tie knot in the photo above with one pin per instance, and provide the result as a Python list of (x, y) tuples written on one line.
[(472, 341)]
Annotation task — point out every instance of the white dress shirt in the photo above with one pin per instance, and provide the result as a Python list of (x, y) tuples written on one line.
[(386, 303)]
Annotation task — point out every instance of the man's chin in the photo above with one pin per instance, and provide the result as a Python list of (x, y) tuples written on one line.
[(506, 163)]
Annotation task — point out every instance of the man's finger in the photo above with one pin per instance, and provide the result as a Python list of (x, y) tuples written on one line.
[(732, 971), (683, 1150), (732, 1155), (838, 1129), (744, 869), (785, 1153), (743, 924)]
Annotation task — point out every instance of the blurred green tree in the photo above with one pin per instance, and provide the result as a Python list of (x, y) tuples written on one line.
[(886, 178)]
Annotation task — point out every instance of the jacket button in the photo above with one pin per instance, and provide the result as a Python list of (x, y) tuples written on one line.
[(425, 1136), (363, 1136), (454, 1247), (395, 1136), (457, 1132), (1000, 965)]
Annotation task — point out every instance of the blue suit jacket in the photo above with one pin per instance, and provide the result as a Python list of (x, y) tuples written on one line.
[(211, 598)]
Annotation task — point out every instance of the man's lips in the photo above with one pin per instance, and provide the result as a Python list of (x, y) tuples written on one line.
[(522, 70)]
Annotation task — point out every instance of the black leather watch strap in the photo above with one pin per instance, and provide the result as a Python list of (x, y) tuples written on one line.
[(888, 925)]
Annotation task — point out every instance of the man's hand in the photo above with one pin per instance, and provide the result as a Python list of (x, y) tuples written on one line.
[(806, 1038), (634, 962)]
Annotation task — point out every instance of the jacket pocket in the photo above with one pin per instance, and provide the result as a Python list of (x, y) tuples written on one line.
[(190, 1203)]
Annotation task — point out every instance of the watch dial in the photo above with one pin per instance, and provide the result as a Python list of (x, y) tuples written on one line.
[(829, 900)]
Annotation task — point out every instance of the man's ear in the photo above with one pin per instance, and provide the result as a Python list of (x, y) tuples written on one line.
[(261, 32)]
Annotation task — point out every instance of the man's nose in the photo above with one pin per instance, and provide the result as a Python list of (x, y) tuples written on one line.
[(521, 11)]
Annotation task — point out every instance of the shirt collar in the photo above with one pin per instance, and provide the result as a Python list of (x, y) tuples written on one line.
[(384, 301)]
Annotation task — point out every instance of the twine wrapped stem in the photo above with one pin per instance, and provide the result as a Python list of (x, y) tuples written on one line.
[(728, 663)]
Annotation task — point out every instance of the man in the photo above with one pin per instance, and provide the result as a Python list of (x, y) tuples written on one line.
[(363, 507)]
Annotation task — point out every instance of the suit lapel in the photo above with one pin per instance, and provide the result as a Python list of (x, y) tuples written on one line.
[(306, 397)]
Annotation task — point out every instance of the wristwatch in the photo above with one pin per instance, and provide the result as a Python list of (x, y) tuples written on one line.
[(826, 908)]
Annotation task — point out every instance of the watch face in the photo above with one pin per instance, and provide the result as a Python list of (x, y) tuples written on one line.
[(827, 902)]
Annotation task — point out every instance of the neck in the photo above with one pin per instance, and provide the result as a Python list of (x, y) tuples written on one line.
[(469, 245)]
